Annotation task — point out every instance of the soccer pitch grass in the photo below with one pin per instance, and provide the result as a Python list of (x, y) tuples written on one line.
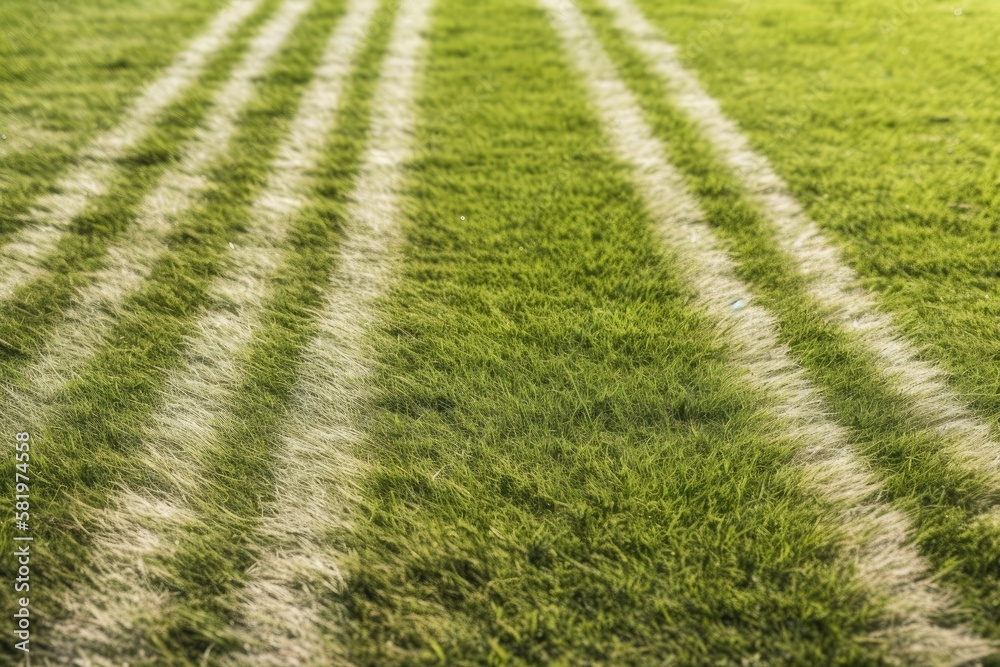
[(508, 332)]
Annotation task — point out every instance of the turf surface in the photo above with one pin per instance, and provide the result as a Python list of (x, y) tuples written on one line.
[(561, 462), (951, 504)]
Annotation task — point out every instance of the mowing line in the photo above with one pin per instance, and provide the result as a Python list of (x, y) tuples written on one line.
[(878, 535), (830, 280), (131, 259), (194, 397), (21, 259), (285, 615)]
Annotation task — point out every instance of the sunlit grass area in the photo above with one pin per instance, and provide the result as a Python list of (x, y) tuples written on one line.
[(347, 332)]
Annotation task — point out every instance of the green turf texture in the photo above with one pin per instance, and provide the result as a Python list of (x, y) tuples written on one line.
[(946, 501), (564, 469), (35, 309), (213, 560), (69, 69), (881, 116), (563, 466), (91, 445)]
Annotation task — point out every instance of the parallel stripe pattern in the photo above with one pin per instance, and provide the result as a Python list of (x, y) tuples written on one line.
[(130, 260), (286, 622), (194, 398), (22, 258), (831, 281), (879, 536)]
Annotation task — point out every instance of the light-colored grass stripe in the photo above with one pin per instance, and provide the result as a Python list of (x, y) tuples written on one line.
[(130, 260), (137, 527), (21, 259), (286, 623), (878, 536), (831, 281)]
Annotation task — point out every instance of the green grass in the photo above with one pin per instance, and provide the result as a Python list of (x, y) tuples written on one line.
[(92, 444), (562, 465), (882, 120), (564, 470), (944, 499), (96, 438), (212, 563), (69, 68), (26, 319)]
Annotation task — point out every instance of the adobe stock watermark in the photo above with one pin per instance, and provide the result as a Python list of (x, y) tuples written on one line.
[(898, 17), (901, 14), (465, 107), (22, 540), (706, 37)]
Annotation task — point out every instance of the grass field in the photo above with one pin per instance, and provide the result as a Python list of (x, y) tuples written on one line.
[(499, 332)]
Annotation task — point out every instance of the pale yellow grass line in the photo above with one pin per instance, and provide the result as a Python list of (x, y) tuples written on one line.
[(111, 634), (286, 620), (831, 281), (130, 259), (878, 537), (22, 258), (107, 611)]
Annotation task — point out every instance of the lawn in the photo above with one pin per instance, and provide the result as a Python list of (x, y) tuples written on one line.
[(419, 332)]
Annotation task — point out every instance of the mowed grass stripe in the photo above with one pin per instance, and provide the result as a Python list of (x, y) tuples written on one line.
[(211, 565), (560, 464), (901, 181), (130, 259), (952, 506), (90, 444), (833, 283), (70, 70), (34, 398), (22, 257), (884, 556), (285, 606), (140, 529), (27, 319)]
